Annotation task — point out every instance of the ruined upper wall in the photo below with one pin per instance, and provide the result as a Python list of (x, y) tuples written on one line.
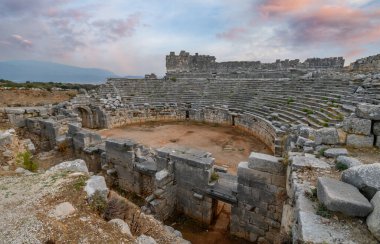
[(186, 63), (371, 63)]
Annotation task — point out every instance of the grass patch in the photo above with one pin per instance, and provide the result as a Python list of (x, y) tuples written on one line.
[(98, 203), (214, 177), (307, 111), (290, 100), (341, 166), (25, 160), (80, 183), (323, 211), (312, 194)]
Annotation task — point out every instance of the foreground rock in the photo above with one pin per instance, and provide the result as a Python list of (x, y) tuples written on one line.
[(327, 136), (335, 152), (62, 210), (368, 111), (342, 197), (96, 184), (124, 227), (348, 161), (77, 165), (265, 162), (299, 162), (365, 177), (143, 239), (373, 220)]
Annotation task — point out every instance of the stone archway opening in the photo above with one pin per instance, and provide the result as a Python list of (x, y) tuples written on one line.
[(86, 116)]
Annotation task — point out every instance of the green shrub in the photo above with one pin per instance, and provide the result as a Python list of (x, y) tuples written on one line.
[(323, 211), (290, 100), (80, 183), (312, 194), (308, 111), (214, 177), (98, 203), (173, 79), (341, 166), (25, 160)]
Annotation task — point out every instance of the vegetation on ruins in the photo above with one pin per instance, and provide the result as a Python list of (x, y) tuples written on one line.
[(80, 183), (214, 177), (312, 194), (98, 203), (116, 209), (46, 85), (340, 166), (307, 111), (25, 160), (323, 211)]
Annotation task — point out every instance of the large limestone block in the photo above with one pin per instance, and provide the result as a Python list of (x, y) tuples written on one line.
[(77, 165), (96, 184), (360, 141), (355, 125), (143, 239), (123, 227), (348, 161), (368, 111), (377, 141), (62, 210), (335, 152), (365, 177), (342, 197), (328, 136), (373, 220), (265, 163), (376, 128), (299, 162)]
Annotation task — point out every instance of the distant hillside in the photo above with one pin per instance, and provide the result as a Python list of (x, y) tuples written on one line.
[(30, 70)]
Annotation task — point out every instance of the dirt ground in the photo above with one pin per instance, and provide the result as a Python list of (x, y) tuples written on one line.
[(228, 145), (19, 98)]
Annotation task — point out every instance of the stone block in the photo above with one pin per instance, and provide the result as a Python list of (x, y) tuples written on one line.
[(265, 163), (77, 165), (335, 152), (353, 125), (368, 111), (342, 197), (376, 128), (327, 136), (373, 220), (377, 141), (360, 141), (365, 177), (299, 162), (348, 161), (249, 176), (96, 184)]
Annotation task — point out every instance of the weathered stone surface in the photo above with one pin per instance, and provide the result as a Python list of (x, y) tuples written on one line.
[(348, 161), (124, 227), (376, 128), (342, 197), (20, 170), (306, 132), (62, 210), (77, 165), (373, 220), (29, 145), (365, 177), (360, 141), (96, 183), (355, 125), (335, 152), (265, 163), (377, 141), (368, 111), (299, 162), (328, 136), (143, 239)]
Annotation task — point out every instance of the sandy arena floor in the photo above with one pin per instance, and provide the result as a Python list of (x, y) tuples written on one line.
[(228, 145)]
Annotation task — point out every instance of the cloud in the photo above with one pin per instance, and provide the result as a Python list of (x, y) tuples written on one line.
[(281, 7), (21, 41), (234, 33), (114, 29)]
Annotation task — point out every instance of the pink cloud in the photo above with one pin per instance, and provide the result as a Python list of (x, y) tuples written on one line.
[(21, 41), (280, 7), (232, 34)]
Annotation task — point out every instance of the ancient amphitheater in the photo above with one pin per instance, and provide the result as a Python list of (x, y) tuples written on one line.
[(320, 120)]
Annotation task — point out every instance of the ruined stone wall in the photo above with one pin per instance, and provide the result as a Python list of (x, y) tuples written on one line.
[(371, 63), (261, 195), (188, 65), (16, 116)]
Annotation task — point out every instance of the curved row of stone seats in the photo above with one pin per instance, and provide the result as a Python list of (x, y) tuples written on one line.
[(313, 102)]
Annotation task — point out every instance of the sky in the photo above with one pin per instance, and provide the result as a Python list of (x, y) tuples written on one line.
[(132, 37)]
